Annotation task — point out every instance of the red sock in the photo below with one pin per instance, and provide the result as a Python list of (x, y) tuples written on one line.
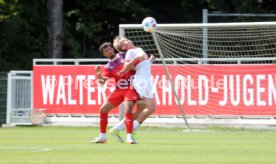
[(129, 122), (103, 122)]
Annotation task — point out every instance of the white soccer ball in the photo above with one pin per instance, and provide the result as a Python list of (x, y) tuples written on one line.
[(149, 24)]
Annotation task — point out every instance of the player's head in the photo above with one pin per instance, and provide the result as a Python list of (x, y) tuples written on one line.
[(122, 44), (107, 50)]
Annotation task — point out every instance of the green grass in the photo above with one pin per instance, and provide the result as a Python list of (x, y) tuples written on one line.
[(156, 145)]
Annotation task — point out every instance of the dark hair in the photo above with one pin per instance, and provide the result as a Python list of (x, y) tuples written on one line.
[(104, 45)]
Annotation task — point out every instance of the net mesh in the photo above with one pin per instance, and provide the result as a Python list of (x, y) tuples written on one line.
[(223, 86), (188, 43)]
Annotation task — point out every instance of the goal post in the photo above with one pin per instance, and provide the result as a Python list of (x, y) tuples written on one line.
[(170, 80)]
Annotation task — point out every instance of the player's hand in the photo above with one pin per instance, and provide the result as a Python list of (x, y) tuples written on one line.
[(140, 57), (152, 58), (98, 70), (146, 57)]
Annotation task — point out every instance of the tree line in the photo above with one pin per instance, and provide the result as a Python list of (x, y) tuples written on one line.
[(74, 29)]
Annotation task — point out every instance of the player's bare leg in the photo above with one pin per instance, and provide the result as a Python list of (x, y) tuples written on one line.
[(150, 108), (115, 131), (140, 106)]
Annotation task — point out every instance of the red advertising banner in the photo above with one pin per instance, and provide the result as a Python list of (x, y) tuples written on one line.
[(202, 89), (69, 89)]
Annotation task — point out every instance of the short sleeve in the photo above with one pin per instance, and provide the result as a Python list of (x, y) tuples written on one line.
[(129, 55), (106, 73), (140, 51)]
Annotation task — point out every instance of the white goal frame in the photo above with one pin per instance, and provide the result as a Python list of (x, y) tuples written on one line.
[(205, 59)]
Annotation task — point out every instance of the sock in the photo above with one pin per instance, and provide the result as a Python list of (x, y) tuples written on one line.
[(129, 136), (102, 136), (120, 126), (103, 122), (136, 124), (129, 122)]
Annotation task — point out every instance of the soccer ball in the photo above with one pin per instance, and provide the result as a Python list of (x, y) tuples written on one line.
[(149, 24)]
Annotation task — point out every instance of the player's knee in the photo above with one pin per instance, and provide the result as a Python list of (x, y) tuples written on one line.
[(135, 114), (129, 106), (103, 110), (152, 109), (106, 108)]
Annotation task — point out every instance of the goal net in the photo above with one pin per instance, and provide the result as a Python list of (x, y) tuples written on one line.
[(217, 43), (214, 69)]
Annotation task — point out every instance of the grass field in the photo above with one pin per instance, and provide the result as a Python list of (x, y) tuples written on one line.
[(156, 145)]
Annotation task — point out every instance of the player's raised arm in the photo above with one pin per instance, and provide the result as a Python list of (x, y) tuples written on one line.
[(129, 64)]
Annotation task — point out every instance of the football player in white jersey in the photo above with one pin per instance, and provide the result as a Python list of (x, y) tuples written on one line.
[(138, 60)]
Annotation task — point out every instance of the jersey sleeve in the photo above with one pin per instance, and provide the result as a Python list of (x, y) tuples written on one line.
[(106, 73), (140, 51), (133, 53), (129, 55)]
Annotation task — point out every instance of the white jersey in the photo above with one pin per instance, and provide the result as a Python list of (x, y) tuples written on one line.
[(142, 77)]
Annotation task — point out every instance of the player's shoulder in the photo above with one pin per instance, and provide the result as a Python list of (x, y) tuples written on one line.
[(121, 55), (139, 48), (106, 67), (112, 60), (131, 51)]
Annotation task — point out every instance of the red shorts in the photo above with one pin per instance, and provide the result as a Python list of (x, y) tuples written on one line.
[(120, 95)]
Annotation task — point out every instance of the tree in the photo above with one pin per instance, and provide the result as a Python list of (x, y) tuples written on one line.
[(76, 28), (55, 28), (23, 33), (88, 23)]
